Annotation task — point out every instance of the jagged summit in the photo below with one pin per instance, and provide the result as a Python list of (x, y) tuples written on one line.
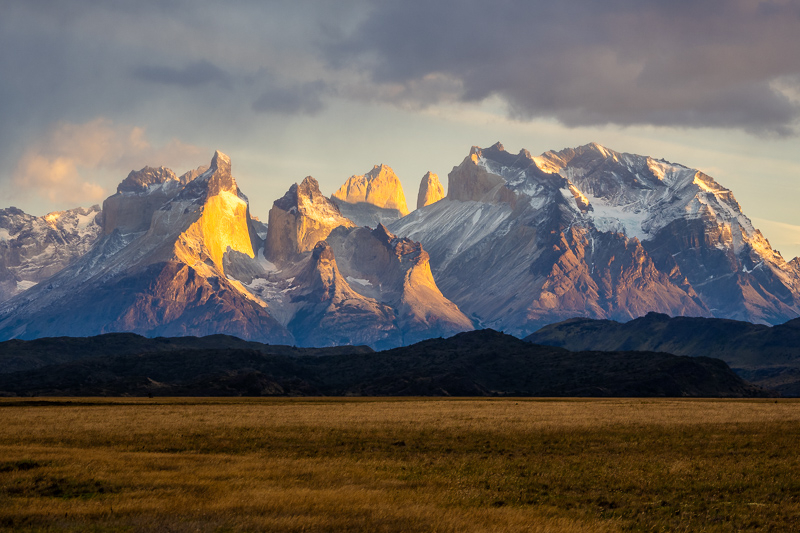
[(494, 175), (221, 162), (299, 220), (430, 190), (305, 193), (34, 248), (140, 180), (379, 187), (216, 179)]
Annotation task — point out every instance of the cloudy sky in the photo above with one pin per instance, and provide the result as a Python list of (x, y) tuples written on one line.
[(92, 89)]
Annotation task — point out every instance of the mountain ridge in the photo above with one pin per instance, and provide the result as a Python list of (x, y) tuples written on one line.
[(767, 356), (477, 363)]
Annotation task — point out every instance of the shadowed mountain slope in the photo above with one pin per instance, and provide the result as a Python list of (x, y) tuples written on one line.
[(767, 356)]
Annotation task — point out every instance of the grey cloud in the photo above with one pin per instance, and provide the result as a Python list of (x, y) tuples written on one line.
[(625, 62), (79, 60), (195, 74), (305, 98)]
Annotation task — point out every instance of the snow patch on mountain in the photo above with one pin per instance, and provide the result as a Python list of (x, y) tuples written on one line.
[(441, 226), (626, 219)]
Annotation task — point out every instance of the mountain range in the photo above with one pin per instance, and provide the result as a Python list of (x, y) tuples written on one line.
[(518, 242)]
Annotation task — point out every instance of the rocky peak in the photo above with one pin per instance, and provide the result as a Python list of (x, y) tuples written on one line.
[(140, 180), (300, 219), (329, 312), (214, 217), (322, 252), (380, 187), (218, 176), (321, 279), (306, 199), (493, 175), (403, 248), (192, 174), (221, 162), (430, 190)]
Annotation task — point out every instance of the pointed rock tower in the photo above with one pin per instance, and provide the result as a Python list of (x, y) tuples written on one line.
[(396, 271), (330, 313), (430, 190), (299, 220), (380, 187)]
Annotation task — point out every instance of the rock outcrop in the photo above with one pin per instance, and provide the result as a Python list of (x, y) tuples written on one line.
[(380, 187), (299, 220), (139, 196), (430, 190), (330, 313), (396, 271)]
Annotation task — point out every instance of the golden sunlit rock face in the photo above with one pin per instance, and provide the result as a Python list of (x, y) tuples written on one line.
[(471, 181), (299, 220), (222, 226), (380, 187), (430, 190), (223, 221)]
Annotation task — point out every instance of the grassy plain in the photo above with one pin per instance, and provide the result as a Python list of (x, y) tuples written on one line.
[(447, 465)]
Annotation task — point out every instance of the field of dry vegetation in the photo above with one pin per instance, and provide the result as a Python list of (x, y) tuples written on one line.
[(399, 465)]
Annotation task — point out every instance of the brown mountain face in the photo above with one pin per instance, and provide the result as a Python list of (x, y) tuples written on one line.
[(329, 312), (380, 187), (430, 190), (607, 275), (299, 220), (138, 197), (397, 272)]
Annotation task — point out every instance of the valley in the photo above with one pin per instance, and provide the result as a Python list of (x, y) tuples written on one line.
[(452, 465)]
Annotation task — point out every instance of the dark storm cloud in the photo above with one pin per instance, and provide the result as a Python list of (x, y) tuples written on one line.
[(715, 63), (196, 74)]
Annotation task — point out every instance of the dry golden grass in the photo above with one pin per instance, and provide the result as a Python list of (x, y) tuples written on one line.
[(399, 465)]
